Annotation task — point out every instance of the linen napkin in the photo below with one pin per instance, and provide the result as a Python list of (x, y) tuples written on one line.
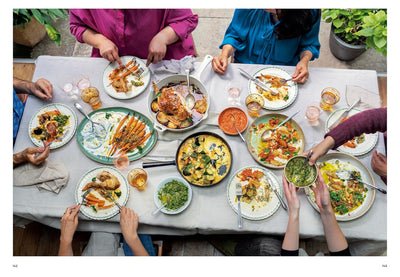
[(47, 176), (172, 66), (368, 101)]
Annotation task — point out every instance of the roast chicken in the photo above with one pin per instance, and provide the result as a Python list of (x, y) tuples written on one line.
[(172, 103), (108, 182)]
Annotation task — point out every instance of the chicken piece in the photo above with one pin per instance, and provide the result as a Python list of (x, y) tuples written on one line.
[(172, 103), (120, 85), (108, 182)]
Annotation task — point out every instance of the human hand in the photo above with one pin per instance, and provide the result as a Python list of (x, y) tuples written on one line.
[(220, 64), (291, 196), (320, 149), (322, 196), (42, 89), (29, 154), (157, 49), (69, 222), (109, 51), (129, 224), (301, 72), (379, 163)]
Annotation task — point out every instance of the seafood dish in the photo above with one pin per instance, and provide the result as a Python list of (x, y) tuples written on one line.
[(281, 90), (281, 145), (170, 107), (204, 160), (346, 196), (51, 125), (119, 77)]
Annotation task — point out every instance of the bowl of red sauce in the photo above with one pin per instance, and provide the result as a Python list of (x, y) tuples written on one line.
[(232, 115)]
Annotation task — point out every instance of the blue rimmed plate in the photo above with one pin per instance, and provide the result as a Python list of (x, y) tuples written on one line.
[(160, 187)]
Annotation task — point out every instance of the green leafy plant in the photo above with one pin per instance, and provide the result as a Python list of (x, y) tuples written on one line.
[(360, 26), (43, 16)]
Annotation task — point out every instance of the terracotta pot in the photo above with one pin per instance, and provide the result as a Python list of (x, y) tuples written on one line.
[(342, 50), (31, 35)]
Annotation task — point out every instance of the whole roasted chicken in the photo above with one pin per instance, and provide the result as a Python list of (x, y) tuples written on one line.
[(108, 182), (172, 103)]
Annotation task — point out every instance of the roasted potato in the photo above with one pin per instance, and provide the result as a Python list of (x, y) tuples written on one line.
[(162, 118), (171, 125), (154, 106), (201, 106)]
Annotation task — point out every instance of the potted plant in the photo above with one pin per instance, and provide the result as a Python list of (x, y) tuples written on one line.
[(355, 30), (31, 25)]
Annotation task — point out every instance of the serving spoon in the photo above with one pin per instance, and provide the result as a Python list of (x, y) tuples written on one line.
[(189, 99), (347, 175), (237, 130), (267, 133), (97, 129), (158, 209)]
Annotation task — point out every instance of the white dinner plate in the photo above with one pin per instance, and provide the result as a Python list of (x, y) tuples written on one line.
[(279, 72), (106, 213), (252, 210), (361, 148), (162, 184), (135, 90), (70, 128), (365, 176)]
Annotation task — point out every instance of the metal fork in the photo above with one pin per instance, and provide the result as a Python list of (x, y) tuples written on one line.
[(48, 145), (85, 194), (108, 194), (283, 81), (239, 196)]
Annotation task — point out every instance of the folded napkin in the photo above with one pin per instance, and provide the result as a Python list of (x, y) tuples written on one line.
[(168, 142), (172, 66), (48, 176), (368, 101)]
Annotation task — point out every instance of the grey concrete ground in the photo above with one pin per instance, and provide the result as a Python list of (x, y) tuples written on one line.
[(207, 37)]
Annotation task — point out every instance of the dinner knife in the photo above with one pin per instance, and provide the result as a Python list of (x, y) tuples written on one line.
[(256, 81), (277, 193), (343, 114)]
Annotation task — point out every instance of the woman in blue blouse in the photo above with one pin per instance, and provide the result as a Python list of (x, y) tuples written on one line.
[(272, 36)]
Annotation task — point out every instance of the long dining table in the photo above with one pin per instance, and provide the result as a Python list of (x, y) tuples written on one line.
[(209, 211)]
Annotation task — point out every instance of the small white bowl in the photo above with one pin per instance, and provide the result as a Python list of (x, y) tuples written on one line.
[(162, 184)]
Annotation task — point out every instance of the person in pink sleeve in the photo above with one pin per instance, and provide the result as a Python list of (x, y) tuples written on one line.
[(152, 34), (368, 121)]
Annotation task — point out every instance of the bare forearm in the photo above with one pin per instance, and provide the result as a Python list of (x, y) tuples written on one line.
[(228, 50), (333, 234), (136, 246), (19, 158), (65, 248), (22, 86), (291, 240)]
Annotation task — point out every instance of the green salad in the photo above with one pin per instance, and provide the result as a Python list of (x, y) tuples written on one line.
[(175, 194)]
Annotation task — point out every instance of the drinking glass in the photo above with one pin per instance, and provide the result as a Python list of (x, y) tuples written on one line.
[(137, 178), (329, 97), (122, 161), (254, 102), (234, 96), (312, 113)]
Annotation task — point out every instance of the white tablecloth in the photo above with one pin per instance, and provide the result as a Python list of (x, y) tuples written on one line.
[(209, 211)]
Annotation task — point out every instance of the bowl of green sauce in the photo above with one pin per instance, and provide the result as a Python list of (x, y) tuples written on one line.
[(175, 192), (298, 174)]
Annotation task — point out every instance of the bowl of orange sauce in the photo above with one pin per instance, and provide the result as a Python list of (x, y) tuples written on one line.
[(232, 115)]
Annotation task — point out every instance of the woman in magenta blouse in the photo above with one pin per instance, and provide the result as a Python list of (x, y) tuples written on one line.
[(152, 34)]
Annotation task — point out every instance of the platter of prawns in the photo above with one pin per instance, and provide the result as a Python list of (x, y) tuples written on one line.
[(128, 132), (128, 80)]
